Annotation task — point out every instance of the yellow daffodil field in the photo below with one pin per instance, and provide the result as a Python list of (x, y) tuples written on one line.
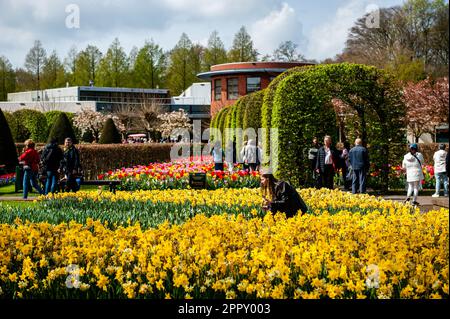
[(220, 244)]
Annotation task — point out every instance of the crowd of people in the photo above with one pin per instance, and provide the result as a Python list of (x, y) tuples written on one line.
[(52, 167)]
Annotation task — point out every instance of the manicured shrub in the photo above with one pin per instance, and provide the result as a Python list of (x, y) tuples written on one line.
[(8, 153), (252, 111), (62, 129), (110, 134), (302, 109), (97, 159), (267, 105), (31, 124)]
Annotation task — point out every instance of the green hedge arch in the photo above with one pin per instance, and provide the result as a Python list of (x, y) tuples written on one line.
[(252, 111), (302, 109), (267, 105)]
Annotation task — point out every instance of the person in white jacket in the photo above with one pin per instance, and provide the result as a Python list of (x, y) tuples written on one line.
[(412, 165), (440, 171)]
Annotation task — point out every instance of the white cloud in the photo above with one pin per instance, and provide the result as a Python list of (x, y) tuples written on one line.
[(208, 8), (328, 39), (278, 26)]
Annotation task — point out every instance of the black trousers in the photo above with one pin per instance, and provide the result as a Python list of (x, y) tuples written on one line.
[(326, 177)]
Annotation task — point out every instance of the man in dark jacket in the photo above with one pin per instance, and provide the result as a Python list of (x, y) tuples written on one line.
[(51, 159), (283, 197), (359, 161), (326, 165), (70, 165)]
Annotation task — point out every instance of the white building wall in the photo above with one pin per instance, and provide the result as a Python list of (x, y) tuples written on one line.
[(53, 95), (196, 94)]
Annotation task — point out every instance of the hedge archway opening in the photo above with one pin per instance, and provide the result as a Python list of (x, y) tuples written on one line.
[(303, 109)]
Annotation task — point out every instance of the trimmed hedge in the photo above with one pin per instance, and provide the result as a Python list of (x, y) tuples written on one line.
[(110, 134), (252, 111), (267, 105), (222, 122), (300, 112), (62, 129), (8, 153), (229, 135), (302, 109), (97, 159), (34, 123)]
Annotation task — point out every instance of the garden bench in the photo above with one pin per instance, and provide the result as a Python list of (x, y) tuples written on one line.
[(112, 184)]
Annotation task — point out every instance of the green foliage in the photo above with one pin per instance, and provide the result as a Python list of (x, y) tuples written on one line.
[(229, 134), (182, 70), (267, 105), (8, 152), (252, 111), (62, 129), (405, 69), (148, 71), (222, 123), (302, 110), (18, 130), (218, 118), (110, 134), (113, 68), (29, 124)]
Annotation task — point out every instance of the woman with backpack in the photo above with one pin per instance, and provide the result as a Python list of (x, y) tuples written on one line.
[(30, 161), (51, 160), (412, 166)]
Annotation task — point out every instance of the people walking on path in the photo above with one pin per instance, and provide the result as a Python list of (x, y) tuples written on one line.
[(312, 157), (412, 166), (30, 161), (217, 153), (359, 163), (280, 196), (251, 155), (51, 159), (70, 165), (440, 170), (326, 164)]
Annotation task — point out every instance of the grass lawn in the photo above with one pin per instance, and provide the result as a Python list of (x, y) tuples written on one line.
[(8, 191)]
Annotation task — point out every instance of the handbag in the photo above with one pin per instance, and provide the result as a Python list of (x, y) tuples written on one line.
[(349, 175)]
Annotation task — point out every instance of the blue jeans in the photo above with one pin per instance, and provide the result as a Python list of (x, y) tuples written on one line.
[(359, 181), (441, 177), (51, 183), (30, 177)]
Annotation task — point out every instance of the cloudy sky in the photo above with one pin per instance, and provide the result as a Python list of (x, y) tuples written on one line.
[(319, 27)]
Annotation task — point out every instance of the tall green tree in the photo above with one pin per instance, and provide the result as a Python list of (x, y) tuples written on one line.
[(113, 70), (242, 49), (71, 65), (287, 52), (182, 70), (35, 61), (150, 66), (215, 52), (8, 152), (87, 64), (53, 73), (7, 78)]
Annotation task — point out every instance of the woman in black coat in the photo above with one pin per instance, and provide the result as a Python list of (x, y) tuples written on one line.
[(280, 196)]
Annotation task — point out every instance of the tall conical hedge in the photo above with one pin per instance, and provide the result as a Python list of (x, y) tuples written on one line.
[(110, 134), (62, 129), (8, 151)]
